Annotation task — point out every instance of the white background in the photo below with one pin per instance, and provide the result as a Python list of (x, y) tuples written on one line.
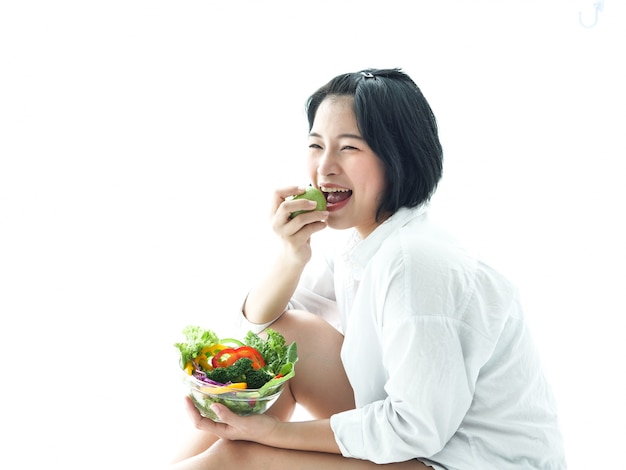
[(140, 142)]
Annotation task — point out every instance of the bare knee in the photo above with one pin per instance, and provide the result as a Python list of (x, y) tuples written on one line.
[(237, 454), (301, 326), (228, 451), (319, 363), (291, 318)]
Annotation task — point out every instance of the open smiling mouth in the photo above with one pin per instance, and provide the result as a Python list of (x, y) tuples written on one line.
[(336, 197)]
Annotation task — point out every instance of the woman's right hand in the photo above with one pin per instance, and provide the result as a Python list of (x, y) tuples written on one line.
[(268, 300), (296, 232)]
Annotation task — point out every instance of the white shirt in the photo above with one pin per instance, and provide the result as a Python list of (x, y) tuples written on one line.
[(437, 352)]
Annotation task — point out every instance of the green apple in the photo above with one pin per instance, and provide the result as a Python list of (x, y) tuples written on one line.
[(312, 194)]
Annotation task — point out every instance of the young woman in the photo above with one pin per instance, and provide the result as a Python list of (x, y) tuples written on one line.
[(430, 364)]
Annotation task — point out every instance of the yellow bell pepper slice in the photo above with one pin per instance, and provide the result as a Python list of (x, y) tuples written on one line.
[(204, 357), (225, 388)]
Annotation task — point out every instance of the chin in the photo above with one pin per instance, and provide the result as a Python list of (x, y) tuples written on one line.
[(337, 224)]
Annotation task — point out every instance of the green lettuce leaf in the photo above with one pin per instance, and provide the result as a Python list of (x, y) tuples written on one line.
[(197, 339)]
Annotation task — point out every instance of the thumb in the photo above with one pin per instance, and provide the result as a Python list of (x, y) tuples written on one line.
[(223, 413)]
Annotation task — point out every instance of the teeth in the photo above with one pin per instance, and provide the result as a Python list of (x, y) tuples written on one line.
[(333, 190)]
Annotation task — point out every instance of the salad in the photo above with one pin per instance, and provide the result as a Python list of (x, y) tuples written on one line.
[(246, 376)]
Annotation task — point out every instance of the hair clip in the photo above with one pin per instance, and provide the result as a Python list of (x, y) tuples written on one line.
[(367, 75)]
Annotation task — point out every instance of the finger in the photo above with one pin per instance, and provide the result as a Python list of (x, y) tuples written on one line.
[(285, 193), (199, 421), (308, 230), (282, 214), (295, 206), (192, 411), (250, 428), (286, 226), (307, 222), (288, 191), (223, 413)]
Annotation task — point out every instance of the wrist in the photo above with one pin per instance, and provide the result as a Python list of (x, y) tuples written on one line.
[(292, 261)]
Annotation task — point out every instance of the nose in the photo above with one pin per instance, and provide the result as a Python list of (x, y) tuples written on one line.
[(327, 163)]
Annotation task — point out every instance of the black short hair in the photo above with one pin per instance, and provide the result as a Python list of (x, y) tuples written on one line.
[(398, 124)]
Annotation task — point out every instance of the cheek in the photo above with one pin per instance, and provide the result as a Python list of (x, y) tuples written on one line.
[(311, 166), (311, 169), (374, 174), (381, 178)]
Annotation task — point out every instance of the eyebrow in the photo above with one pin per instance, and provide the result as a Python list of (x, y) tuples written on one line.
[(349, 136)]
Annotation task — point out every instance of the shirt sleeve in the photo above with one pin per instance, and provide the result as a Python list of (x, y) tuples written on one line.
[(429, 390), (243, 324), (431, 352)]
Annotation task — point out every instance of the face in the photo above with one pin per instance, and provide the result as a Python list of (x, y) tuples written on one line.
[(344, 167)]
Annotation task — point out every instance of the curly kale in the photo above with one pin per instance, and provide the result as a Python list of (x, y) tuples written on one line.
[(240, 371), (274, 349)]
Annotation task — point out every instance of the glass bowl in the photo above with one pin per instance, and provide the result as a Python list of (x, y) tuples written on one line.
[(243, 402)]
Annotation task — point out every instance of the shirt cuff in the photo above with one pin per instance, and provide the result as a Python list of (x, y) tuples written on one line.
[(348, 430), (245, 325)]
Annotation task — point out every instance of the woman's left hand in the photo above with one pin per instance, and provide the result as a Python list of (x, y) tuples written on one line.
[(256, 428)]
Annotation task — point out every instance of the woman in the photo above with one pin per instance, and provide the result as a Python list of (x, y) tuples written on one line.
[(431, 364)]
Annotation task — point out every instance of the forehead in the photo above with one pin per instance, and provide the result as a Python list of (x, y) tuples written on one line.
[(336, 112)]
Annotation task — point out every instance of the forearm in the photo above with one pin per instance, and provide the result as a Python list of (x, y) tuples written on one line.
[(316, 436), (267, 300)]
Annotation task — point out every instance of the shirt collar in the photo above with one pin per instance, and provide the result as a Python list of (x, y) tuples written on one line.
[(358, 252)]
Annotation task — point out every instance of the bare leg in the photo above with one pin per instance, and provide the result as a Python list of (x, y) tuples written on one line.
[(320, 384), (240, 454), (318, 367)]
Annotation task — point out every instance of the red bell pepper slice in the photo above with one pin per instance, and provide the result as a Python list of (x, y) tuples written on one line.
[(225, 358), (252, 354)]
